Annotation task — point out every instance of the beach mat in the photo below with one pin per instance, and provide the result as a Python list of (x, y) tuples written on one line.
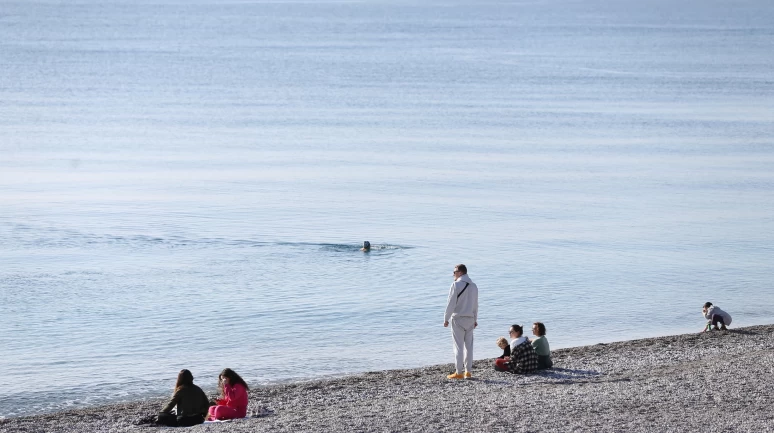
[(258, 413)]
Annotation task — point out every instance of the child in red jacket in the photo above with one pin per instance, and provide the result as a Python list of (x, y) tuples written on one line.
[(233, 397)]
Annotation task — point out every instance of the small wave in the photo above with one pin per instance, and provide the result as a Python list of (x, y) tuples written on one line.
[(52, 237), (38, 403), (375, 248), (607, 71)]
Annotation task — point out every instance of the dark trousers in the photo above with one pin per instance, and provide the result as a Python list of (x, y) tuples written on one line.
[(172, 420), (717, 321), (544, 361)]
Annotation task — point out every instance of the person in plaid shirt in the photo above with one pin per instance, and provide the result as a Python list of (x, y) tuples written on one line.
[(523, 357)]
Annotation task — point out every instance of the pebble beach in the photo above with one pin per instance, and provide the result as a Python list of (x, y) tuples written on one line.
[(719, 381)]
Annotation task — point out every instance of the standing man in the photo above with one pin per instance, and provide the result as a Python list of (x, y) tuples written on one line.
[(462, 312)]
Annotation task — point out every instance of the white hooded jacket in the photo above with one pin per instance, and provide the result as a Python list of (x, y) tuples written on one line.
[(716, 310), (467, 303)]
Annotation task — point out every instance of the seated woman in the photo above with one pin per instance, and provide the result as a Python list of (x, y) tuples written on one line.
[(541, 346), (233, 397), (191, 402), (523, 358)]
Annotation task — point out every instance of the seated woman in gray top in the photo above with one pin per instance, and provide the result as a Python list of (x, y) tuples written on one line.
[(192, 403), (541, 346)]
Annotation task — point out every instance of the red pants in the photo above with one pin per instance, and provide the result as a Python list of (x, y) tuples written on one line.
[(501, 364), (224, 412)]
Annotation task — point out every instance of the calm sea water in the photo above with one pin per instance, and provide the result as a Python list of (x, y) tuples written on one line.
[(184, 184)]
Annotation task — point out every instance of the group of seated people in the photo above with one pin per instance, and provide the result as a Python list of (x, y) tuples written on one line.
[(193, 406), (524, 355)]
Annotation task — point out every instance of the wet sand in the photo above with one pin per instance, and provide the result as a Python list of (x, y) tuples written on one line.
[(721, 381)]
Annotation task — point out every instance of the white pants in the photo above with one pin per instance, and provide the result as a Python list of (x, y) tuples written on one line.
[(462, 334)]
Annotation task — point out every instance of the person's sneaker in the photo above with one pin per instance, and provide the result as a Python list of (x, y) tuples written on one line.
[(723, 328), (455, 375), (468, 375)]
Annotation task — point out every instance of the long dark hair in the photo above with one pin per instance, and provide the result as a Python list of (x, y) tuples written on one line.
[(184, 378), (233, 379)]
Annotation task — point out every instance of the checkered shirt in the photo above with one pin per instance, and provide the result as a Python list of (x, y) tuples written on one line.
[(524, 359)]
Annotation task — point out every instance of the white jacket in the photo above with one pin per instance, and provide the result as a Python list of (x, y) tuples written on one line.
[(516, 341), (716, 310), (467, 304)]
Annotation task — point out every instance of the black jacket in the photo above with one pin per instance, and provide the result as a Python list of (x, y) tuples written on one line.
[(190, 401)]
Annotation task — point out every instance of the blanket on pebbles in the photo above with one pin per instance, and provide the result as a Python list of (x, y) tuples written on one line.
[(259, 413), (719, 381)]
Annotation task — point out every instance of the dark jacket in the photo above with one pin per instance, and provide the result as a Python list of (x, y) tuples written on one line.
[(506, 352), (190, 401)]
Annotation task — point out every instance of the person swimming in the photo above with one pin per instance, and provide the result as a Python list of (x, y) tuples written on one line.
[(366, 246)]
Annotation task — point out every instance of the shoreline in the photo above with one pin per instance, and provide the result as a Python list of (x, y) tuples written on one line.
[(687, 382)]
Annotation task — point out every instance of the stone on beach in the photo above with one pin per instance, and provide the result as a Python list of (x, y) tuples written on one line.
[(717, 381)]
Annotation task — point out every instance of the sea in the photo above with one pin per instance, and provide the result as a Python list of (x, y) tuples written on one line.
[(187, 183)]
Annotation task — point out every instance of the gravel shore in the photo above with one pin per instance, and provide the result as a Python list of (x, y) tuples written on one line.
[(721, 381)]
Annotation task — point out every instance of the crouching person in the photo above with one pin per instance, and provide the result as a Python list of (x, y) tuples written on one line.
[(716, 318), (523, 357)]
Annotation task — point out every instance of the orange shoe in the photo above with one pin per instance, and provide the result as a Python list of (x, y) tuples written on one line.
[(468, 375), (455, 375)]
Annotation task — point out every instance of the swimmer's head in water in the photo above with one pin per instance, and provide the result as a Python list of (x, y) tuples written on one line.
[(366, 245)]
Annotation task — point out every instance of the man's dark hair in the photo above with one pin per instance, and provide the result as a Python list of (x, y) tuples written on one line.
[(462, 268), (707, 304)]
